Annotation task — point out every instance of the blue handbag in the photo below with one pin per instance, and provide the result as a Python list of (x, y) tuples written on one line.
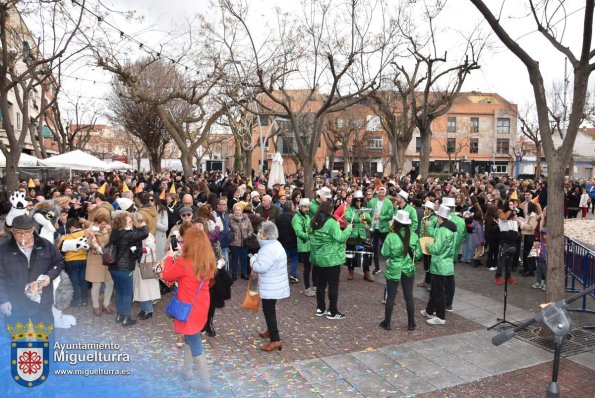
[(180, 310)]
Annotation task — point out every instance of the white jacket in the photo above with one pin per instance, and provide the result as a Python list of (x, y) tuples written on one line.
[(271, 266), (584, 202)]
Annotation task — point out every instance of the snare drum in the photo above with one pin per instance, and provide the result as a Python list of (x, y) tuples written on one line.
[(358, 258)]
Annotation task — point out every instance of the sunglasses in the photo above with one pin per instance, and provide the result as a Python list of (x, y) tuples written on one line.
[(358, 200), (186, 215), (151, 200)]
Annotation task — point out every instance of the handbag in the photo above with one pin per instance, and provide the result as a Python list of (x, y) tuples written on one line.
[(251, 242), (251, 299), (108, 256), (180, 310), (535, 250), (146, 268)]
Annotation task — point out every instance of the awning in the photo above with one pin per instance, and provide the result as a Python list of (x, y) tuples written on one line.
[(46, 132)]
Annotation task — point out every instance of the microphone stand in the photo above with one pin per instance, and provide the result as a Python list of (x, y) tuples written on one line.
[(555, 317)]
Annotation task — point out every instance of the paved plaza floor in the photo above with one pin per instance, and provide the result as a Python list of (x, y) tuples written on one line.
[(353, 357)]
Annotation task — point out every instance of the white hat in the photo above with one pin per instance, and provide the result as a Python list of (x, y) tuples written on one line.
[(443, 212), (324, 192), (404, 194), (304, 202), (253, 194), (402, 217), (430, 205), (448, 201), (124, 203), (358, 195)]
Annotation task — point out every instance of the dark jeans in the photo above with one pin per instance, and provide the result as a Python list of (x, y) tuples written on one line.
[(427, 260), (305, 259), (450, 290), (437, 303), (76, 271), (270, 316), (377, 241), (505, 260), (330, 276), (391, 294), (528, 262), (123, 285), (366, 268), (239, 257), (515, 259), (292, 256), (493, 246)]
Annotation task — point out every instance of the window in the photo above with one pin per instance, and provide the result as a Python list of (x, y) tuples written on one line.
[(375, 144), (417, 144), (373, 123), (452, 125), (502, 145), (503, 125), (500, 169), (475, 125), (450, 145), (474, 145)]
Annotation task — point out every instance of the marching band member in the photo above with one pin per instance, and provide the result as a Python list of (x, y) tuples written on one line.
[(361, 222), (428, 231), (382, 214)]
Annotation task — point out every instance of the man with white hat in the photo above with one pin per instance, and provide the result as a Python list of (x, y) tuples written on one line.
[(461, 236), (402, 200), (322, 195), (441, 266), (301, 225), (382, 214)]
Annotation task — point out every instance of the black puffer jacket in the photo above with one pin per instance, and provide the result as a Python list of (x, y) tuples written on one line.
[(124, 239), (287, 236), (16, 271)]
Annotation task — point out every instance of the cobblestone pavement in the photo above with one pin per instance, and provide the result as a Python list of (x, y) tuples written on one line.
[(320, 357)]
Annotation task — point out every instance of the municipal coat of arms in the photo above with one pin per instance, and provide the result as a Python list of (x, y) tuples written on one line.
[(30, 353)]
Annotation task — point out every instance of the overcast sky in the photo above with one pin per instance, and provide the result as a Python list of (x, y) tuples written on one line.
[(500, 71)]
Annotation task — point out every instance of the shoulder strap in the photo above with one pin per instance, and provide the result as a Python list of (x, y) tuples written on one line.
[(197, 291)]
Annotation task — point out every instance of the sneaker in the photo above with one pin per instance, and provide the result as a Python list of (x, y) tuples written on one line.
[(384, 300), (511, 280), (294, 279), (376, 271), (320, 312), (313, 289), (309, 292), (492, 269), (543, 287), (436, 321), (499, 280), (449, 308), (424, 313), (338, 315), (536, 285)]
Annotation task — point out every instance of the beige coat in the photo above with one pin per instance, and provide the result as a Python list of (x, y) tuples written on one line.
[(150, 215), (96, 271), (146, 289)]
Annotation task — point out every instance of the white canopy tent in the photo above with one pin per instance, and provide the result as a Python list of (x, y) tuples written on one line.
[(24, 161), (117, 165), (75, 160)]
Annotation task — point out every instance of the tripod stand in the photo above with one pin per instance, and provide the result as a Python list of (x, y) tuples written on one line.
[(507, 255), (555, 317)]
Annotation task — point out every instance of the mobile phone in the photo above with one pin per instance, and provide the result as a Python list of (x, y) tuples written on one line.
[(174, 243)]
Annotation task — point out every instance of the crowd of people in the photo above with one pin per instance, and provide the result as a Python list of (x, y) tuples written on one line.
[(198, 234)]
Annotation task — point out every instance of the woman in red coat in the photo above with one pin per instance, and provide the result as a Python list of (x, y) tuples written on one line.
[(192, 269)]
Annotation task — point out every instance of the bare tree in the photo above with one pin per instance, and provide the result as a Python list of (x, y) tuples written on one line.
[(461, 142), (330, 46), (342, 132), (26, 63), (530, 129), (544, 15), (73, 131)]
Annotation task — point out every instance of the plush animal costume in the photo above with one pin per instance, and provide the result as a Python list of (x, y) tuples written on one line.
[(18, 206), (46, 214)]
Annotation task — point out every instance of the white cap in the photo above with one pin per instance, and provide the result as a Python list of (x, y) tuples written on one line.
[(448, 201), (443, 212), (402, 217), (253, 194), (358, 195), (429, 205), (324, 192), (404, 194), (304, 202)]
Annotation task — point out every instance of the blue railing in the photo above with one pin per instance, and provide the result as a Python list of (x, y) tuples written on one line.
[(579, 262)]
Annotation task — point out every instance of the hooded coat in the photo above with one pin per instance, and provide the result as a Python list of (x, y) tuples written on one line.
[(301, 225)]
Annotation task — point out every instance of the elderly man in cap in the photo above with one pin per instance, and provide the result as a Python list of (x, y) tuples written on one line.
[(382, 214), (267, 210), (441, 266), (324, 194), (185, 216), (27, 262), (301, 225)]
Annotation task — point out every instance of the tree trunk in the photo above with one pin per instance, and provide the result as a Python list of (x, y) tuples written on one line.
[(401, 149), (555, 236), (537, 160), (155, 160), (424, 157), (12, 179), (186, 160), (34, 141), (394, 154), (308, 169)]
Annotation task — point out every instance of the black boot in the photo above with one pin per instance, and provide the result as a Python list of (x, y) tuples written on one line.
[(119, 318), (385, 325), (210, 329), (144, 315), (411, 326), (128, 321)]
